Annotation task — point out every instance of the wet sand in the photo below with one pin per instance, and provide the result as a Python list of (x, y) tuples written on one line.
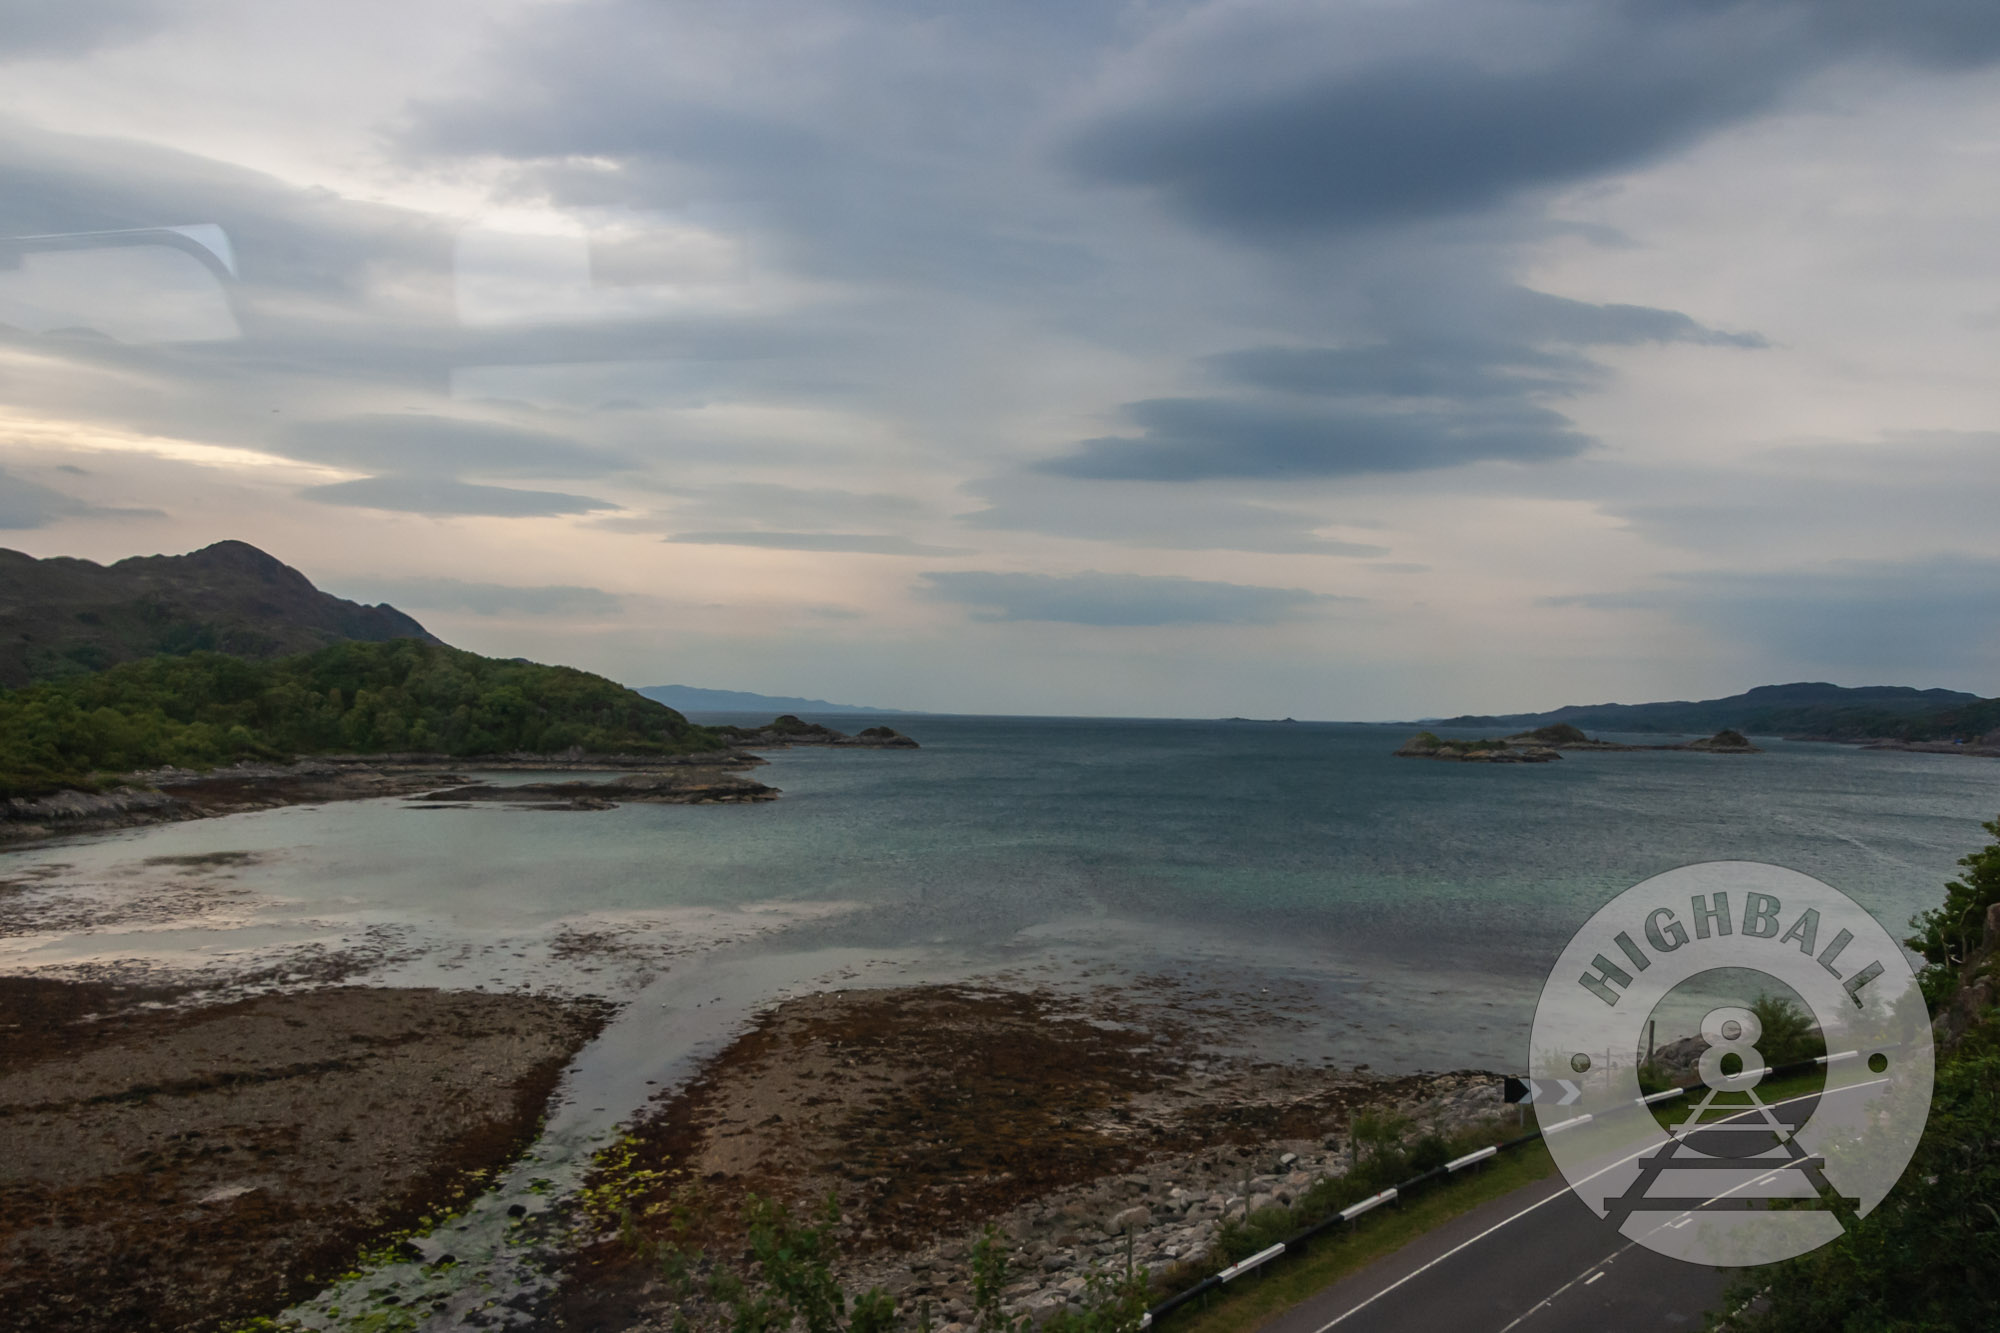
[(171, 1169)]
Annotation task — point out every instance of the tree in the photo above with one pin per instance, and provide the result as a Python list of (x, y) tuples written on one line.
[(1947, 935)]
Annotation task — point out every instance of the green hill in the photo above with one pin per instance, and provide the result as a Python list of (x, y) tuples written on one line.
[(1812, 710), (352, 698), (65, 617)]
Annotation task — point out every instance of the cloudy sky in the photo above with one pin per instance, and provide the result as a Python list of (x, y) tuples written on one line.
[(1356, 359)]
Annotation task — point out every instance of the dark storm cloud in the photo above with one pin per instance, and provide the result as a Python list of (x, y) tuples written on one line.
[(1429, 367), (1937, 613), (489, 599), (852, 543), (1417, 401), (419, 442), (1502, 100), (1121, 600), (31, 28), (857, 141), (1196, 439), (444, 497), (29, 504)]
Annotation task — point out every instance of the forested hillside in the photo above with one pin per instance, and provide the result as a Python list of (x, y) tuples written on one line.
[(352, 698), (1811, 710)]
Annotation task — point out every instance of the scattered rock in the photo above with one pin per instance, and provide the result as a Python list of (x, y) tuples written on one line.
[(1132, 1219)]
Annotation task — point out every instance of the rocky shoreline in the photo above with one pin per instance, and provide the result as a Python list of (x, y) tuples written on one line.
[(1543, 744), (170, 795), (788, 730), (184, 1169), (175, 795), (223, 1162), (1089, 1131), (1426, 745), (688, 786), (1986, 747)]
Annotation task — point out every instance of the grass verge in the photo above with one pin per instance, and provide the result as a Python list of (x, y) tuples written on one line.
[(1257, 1297)]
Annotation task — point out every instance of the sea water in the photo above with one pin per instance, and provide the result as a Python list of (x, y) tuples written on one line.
[(1408, 909)]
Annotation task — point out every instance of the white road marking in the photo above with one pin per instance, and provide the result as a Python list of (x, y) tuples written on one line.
[(1550, 1298)]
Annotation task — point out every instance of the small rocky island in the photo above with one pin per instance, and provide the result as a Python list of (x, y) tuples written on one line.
[(1541, 745), (1563, 736), (787, 730), (1428, 745)]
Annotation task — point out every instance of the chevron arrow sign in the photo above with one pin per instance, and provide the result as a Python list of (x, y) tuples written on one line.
[(1546, 1091)]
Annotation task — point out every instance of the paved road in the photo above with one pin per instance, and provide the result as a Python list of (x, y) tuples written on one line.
[(1535, 1261)]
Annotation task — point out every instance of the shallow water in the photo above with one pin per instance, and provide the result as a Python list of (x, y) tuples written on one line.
[(1310, 894), (1410, 907)]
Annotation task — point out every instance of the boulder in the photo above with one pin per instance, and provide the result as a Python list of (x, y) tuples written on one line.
[(1132, 1219)]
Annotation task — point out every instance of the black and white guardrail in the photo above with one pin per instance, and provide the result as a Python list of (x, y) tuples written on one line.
[(1345, 1215), (1557, 1092)]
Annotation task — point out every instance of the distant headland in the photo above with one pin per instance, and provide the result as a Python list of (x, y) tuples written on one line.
[(1542, 744), (694, 699), (1804, 710)]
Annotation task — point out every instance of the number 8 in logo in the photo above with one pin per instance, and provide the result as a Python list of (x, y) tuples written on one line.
[(1731, 1030)]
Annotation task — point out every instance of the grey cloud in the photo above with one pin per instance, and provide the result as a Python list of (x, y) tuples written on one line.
[(1538, 316), (1500, 100), (1167, 518), (808, 152), (419, 442), (1193, 439), (1940, 612), (286, 239), (853, 543), (492, 599), (444, 497), (29, 504), (1121, 600), (1439, 367), (72, 27)]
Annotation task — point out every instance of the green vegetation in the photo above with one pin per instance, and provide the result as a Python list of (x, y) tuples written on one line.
[(1805, 709), (352, 698), (786, 1276), (1946, 936), (1928, 1258), (64, 617), (1253, 1301), (1965, 723), (1385, 1155), (1556, 733), (1428, 742), (1789, 1033)]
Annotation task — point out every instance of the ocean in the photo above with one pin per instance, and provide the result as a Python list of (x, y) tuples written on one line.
[(1400, 913)]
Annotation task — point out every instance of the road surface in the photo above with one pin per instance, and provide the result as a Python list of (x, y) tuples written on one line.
[(1535, 1261)]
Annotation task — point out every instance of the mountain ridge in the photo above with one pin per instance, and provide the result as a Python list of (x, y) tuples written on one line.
[(64, 616), (696, 699), (1812, 710)]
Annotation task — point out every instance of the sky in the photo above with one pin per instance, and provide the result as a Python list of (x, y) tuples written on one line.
[(1356, 360)]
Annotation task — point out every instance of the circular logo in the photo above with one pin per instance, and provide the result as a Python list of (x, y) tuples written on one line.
[(1785, 1051)]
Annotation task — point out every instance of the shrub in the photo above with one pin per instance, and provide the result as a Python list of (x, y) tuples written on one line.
[(1947, 935)]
